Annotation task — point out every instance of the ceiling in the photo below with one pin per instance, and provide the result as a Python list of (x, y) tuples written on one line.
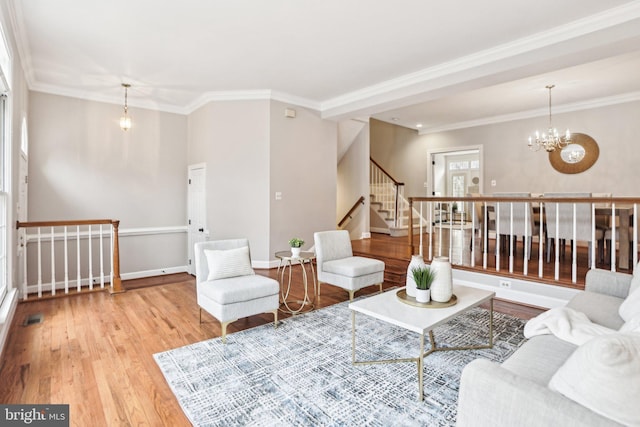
[(445, 65)]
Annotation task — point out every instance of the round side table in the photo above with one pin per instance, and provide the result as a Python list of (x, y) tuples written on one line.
[(287, 261)]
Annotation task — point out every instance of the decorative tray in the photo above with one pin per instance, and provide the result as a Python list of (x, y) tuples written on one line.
[(402, 296)]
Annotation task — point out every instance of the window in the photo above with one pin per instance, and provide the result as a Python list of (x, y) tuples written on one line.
[(4, 203)]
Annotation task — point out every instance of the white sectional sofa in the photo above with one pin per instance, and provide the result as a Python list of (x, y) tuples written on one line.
[(518, 392)]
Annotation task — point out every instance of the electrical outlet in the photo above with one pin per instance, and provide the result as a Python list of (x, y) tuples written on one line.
[(505, 284)]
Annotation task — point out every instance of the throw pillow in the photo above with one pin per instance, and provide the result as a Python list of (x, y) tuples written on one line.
[(630, 307), (604, 376), (228, 263), (632, 325)]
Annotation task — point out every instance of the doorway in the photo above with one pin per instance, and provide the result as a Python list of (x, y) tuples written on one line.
[(455, 172), (196, 211)]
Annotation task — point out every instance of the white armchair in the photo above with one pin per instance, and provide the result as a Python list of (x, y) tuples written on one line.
[(337, 265), (226, 285)]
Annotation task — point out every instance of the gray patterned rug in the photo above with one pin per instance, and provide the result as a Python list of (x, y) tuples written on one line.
[(300, 374)]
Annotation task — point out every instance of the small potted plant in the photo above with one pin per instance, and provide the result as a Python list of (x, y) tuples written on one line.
[(424, 277), (296, 246)]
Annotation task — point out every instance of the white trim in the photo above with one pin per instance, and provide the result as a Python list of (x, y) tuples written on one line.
[(7, 313), (522, 291), (154, 272), (540, 112), (124, 232)]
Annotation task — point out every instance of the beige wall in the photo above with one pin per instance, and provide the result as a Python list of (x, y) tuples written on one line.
[(353, 176), (253, 151), (83, 166), (508, 160), (303, 168), (232, 138)]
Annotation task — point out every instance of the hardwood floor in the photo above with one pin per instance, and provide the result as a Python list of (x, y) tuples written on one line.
[(94, 351)]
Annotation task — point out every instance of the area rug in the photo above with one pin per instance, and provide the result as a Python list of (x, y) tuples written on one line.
[(300, 374)]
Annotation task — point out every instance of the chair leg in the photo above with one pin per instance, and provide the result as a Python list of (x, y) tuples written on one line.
[(275, 318), (380, 287), (224, 329), (201, 316), (351, 295)]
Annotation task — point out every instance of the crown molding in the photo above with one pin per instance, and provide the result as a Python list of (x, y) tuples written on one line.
[(93, 96), (16, 19), (431, 77), (539, 112), (250, 95)]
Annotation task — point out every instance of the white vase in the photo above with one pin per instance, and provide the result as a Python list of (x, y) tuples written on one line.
[(422, 295), (442, 286), (295, 252), (416, 262)]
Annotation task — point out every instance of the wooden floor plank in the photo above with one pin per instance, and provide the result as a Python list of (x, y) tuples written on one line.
[(95, 351)]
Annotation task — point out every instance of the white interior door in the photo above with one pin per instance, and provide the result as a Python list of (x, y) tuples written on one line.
[(196, 210)]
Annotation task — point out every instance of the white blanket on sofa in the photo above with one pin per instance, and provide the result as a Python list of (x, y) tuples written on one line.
[(567, 324)]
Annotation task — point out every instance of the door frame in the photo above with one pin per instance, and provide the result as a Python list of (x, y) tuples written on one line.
[(190, 234), (453, 150)]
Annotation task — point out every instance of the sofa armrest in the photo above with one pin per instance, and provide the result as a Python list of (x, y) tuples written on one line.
[(608, 282), (491, 395)]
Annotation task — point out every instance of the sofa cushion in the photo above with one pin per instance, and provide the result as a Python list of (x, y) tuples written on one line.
[(630, 307), (228, 263), (604, 375), (354, 266), (239, 289), (539, 358), (599, 308)]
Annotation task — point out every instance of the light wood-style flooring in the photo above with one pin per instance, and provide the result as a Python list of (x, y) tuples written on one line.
[(94, 351)]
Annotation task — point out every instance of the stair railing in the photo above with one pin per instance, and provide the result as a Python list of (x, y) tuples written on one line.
[(76, 242), (390, 190), (349, 214)]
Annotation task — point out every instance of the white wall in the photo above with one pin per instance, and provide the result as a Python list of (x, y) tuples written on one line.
[(303, 156), (83, 166), (508, 160)]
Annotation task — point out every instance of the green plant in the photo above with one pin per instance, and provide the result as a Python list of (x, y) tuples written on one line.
[(296, 242), (424, 277)]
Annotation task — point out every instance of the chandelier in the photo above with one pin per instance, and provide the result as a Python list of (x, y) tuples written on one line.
[(125, 120), (551, 140)]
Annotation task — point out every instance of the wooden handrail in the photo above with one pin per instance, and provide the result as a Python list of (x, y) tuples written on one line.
[(493, 199), (116, 286), (385, 172), (353, 208)]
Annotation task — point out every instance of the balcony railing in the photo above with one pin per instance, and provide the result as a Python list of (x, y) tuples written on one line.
[(63, 257), (518, 235)]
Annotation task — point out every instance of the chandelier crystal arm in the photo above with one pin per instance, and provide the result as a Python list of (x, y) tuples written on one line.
[(552, 139), (125, 120)]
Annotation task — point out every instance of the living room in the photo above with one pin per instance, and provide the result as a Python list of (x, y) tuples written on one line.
[(270, 176)]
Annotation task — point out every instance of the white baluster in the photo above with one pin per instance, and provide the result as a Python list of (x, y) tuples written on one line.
[(101, 260), (66, 262), (78, 276), (39, 263), (53, 263), (90, 243)]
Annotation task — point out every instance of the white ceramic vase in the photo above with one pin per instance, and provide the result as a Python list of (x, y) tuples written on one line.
[(416, 262), (442, 286), (422, 295), (295, 252)]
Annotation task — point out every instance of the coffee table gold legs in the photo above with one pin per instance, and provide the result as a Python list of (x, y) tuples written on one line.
[(420, 359)]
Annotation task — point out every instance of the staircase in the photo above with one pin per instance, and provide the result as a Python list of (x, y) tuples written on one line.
[(389, 208)]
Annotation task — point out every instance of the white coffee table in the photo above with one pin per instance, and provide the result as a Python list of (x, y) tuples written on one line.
[(387, 307)]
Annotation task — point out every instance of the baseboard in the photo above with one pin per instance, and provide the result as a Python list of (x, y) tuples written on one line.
[(154, 272), (84, 283), (518, 290), (7, 313)]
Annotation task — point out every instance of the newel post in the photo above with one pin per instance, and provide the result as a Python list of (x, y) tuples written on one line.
[(116, 286)]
